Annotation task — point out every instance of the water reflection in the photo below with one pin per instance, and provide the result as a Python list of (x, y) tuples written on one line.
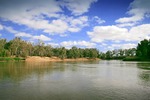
[(106, 80), (18, 71), (144, 65), (145, 76)]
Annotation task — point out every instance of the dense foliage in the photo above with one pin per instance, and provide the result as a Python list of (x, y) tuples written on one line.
[(20, 48), (142, 52), (118, 54), (143, 49)]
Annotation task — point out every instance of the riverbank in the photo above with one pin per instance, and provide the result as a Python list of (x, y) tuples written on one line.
[(55, 59), (135, 59), (11, 58)]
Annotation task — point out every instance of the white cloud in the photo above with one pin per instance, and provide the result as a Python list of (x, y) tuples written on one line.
[(126, 24), (66, 24), (23, 34), (11, 30), (98, 20), (121, 46), (114, 33), (78, 7), (56, 27), (80, 21), (53, 44), (46, 15), (69, 44), (139, 9), (1, 27), (41, 37), (102, 33), (0, 34), (76, 24)]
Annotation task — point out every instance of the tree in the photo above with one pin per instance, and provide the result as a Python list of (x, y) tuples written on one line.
[(108, 55), (2, 47), (62, 53), (143, 49)]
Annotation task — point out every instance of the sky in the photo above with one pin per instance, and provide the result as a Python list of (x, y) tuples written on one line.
[(102, 24)]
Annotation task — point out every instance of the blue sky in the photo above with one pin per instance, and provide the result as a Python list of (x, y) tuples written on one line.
[(102, 24)]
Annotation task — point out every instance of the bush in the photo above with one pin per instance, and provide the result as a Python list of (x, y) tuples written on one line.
[(132, 59)]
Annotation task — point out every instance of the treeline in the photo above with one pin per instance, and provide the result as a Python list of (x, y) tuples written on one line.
[(20, 48), (140, 53), (143, 50), (118, 54)]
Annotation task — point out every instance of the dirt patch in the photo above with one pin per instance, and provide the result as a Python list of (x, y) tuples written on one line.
[(48, 59)]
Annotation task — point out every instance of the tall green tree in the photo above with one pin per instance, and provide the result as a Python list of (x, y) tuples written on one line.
[(143, 49)]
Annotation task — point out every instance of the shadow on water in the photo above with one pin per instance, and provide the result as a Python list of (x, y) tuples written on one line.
[(144, 75), (144, 65)]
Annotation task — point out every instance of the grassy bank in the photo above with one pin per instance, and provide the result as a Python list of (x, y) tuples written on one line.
[(131, 59), (135, 59), (11, 58)]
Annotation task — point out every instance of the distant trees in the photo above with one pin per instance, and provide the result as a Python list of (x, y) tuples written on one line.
[(118, 54), (142, 52), (19, 48)]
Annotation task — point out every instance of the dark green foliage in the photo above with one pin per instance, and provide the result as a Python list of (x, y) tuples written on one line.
[(132, 59), (143, 49), (11, 59), (19, 48)]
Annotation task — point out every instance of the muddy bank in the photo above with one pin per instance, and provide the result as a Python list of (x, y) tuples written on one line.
[(48, 59)]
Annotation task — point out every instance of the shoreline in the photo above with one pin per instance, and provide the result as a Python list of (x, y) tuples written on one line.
[(56, 59)]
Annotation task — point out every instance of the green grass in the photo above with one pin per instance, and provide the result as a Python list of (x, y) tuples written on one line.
[(11, 58), (131, 59), (135, 59)]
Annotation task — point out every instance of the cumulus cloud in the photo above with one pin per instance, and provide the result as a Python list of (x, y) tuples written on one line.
[(113, 33), (78, 7), (98, 20), (23, 34), (46, 15), (1, 27), (102, 33), (139, 10), (122, 46), (126, 24), (69, 44), (41, 37), (53, 44)]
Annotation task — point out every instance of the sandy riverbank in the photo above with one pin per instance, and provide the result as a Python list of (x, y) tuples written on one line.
[(52, 59)]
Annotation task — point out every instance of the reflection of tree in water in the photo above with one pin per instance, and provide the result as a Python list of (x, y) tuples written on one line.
[(144, 66), (145, 78), (18, 71), (145, 74)]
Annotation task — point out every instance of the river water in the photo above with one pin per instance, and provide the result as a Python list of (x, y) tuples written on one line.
[(94, 80)]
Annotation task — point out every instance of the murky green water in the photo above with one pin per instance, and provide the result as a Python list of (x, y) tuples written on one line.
[(98, 80)]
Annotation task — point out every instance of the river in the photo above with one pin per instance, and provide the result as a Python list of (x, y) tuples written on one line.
[(93, 80)]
